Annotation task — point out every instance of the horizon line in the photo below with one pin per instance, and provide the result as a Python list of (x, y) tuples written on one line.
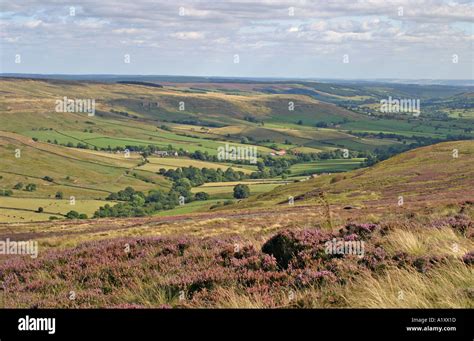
[(232, 77)]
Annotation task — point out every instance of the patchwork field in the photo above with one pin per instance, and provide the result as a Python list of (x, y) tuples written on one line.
[(214, 258), (132, 114), (219, 238)]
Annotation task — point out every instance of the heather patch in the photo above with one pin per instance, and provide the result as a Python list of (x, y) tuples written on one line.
[(468, 258), (460, 223), (291, 268)]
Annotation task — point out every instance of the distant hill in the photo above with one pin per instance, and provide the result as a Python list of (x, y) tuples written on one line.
[(85, 174), (154, 85), (421, 176)]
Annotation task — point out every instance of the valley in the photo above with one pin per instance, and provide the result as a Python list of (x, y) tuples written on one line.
[(145, 174)]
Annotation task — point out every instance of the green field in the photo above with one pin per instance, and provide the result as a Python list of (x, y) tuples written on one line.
[(195, 206), (24, 209), (157, 138), (225, 190), (74, 172), (218, 113), (325, 166), (156, 164), (29, 110)]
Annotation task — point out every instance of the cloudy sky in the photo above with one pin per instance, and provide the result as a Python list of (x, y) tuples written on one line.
[(409, 39)]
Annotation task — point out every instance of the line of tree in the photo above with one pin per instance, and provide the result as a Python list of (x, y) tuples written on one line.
[(137, 204), (198, 176)]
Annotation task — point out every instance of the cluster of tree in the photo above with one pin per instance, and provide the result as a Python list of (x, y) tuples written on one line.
[(241, 191), (253, 120), (379, 135), (137, 204), (76, 215), (271, 167), (194, 122), (203, 156), (198, 176), (334, 154), (28, 187), (6, 192), (42, 129), (79, 145), (323, 124), (120, 210), (268, 167), (145, 151)]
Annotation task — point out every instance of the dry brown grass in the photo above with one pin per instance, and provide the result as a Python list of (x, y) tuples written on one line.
[(447, 286)]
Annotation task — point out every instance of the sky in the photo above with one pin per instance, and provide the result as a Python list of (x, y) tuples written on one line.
[(349, 39)]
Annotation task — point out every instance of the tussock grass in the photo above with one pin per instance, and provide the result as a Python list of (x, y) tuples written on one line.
[(149, 295), (446, 286), (419, 242)]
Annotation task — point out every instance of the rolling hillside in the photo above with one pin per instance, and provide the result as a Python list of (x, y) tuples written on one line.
[(87, 176), (430, 181), (238, 257), (425, 175), (131, 114)]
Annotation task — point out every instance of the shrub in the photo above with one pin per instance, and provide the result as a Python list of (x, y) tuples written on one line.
[(356, 230), (6, 192), (18, 186), (241, 191), (288, 245), (72, 215), (30, 187), (201, 196), (336, 179), (468, 258)]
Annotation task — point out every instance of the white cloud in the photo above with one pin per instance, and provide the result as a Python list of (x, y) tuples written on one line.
[(264, 30), (32, 23), (188, 35), (128, 31)]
